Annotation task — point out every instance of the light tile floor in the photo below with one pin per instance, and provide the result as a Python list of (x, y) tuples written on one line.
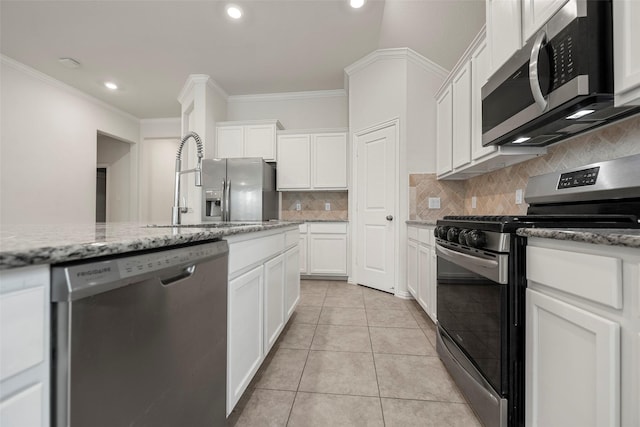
[(353, 356)]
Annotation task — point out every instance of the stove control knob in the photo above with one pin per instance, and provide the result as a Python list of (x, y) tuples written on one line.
[(442, 232), (462, 237), (452, 234), (476, 239)]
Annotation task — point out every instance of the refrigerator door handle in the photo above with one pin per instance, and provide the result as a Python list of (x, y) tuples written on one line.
[(223, 203), (228, 200)]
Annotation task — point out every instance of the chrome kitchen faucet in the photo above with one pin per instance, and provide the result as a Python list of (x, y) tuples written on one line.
[(177, 209)]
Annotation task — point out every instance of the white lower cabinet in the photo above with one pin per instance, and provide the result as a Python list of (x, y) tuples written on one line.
[(582, 330), (245, 332), (274, 314), (325, 253), (573, 365), (24, 349), (264, 289), (292, 281), (421, 268)]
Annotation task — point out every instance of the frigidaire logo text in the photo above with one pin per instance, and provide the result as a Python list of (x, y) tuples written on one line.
[(93, 272)]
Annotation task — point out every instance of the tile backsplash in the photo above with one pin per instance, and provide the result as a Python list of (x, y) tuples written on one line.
[(312, 205), (495, 191)]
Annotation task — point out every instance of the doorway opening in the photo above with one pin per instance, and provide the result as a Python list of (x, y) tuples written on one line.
[(101, 194)]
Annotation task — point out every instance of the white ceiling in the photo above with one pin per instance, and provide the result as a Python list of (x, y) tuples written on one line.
[(150, 47)]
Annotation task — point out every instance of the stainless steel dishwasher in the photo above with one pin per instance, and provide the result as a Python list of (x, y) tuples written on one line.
[(140, 339)]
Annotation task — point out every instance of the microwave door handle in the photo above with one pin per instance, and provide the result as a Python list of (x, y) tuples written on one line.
[(534, 82)]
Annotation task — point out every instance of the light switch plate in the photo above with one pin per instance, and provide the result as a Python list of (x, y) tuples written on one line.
[(434, 202), (519, 196), (474, 202), (327, 206), (298, 207)]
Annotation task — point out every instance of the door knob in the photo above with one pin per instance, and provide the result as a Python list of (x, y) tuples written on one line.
[(389, 217)]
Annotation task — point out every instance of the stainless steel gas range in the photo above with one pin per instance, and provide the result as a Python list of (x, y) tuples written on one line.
[(481, 278)]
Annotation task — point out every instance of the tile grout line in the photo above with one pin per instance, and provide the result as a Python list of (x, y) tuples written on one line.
[(375, 369)]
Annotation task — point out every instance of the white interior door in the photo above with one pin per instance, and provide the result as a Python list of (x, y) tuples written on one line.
[(376, 208)]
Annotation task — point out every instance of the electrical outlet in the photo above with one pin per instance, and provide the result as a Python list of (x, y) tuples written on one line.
[(519, 196), (327, 206), (298, 206), (434, 202), (474, 202)]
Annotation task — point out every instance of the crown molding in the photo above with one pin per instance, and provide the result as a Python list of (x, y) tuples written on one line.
[(288, 96), (18, 66), (195, 79), (397, 53)]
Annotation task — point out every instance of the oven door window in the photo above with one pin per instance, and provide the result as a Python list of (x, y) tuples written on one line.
[(469, 310)]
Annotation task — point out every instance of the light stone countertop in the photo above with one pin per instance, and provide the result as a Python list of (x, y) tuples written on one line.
[(23, 245), (605, 236), (420, 222)]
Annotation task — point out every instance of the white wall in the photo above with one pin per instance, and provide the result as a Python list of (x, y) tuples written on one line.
[(115, 155), (159, 141), (48, 144), (299, 110)]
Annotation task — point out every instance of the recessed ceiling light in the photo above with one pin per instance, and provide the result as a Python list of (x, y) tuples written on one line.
[(69, 63), (111, 85), (356, 4), (234, 11)]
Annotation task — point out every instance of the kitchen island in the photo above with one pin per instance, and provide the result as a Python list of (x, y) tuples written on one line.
[(263, 291)]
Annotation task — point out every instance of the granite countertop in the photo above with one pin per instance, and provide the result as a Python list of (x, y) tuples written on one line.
[(419, 222), (23, 245), (604, 236)]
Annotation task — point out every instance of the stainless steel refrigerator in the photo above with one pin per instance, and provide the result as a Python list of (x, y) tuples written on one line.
[(239, 190)]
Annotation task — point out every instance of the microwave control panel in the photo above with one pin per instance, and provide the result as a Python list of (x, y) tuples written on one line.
[(562, 56), (579, 178)]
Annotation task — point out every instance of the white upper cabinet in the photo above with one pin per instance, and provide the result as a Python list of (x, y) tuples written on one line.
[(462, 116), (247, 139), (504, 31), (535, 13), (479, 76), (329, 160), (294, 154), (626, 48), (444, 137), (316, 161)]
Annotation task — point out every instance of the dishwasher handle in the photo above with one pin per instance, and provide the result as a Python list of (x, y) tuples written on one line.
[(184, 274)]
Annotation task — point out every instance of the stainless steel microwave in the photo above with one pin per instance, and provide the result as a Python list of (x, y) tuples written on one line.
[(559, 84)]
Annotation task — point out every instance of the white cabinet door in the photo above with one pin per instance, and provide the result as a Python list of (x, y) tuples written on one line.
[(535, 13), (328, 254), (294, 162), (504, 36), (245, 332), (412, 268), (260, 141), (304, 269), (424, 278), (274, 310), (230, 142), (329, 161), (479, 76), (292, 281), (572, 365), (433, 285), (461, 133), (626, 50), (444, 131), (25, 346)]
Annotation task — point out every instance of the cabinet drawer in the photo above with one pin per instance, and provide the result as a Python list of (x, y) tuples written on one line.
[(594, 277), (22, 316), (303, 228), (328, 228), (250, 252), (291, 238), (425, 236), (412, 233)]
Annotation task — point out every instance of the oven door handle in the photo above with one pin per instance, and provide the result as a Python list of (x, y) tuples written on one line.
[(495, 270)]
